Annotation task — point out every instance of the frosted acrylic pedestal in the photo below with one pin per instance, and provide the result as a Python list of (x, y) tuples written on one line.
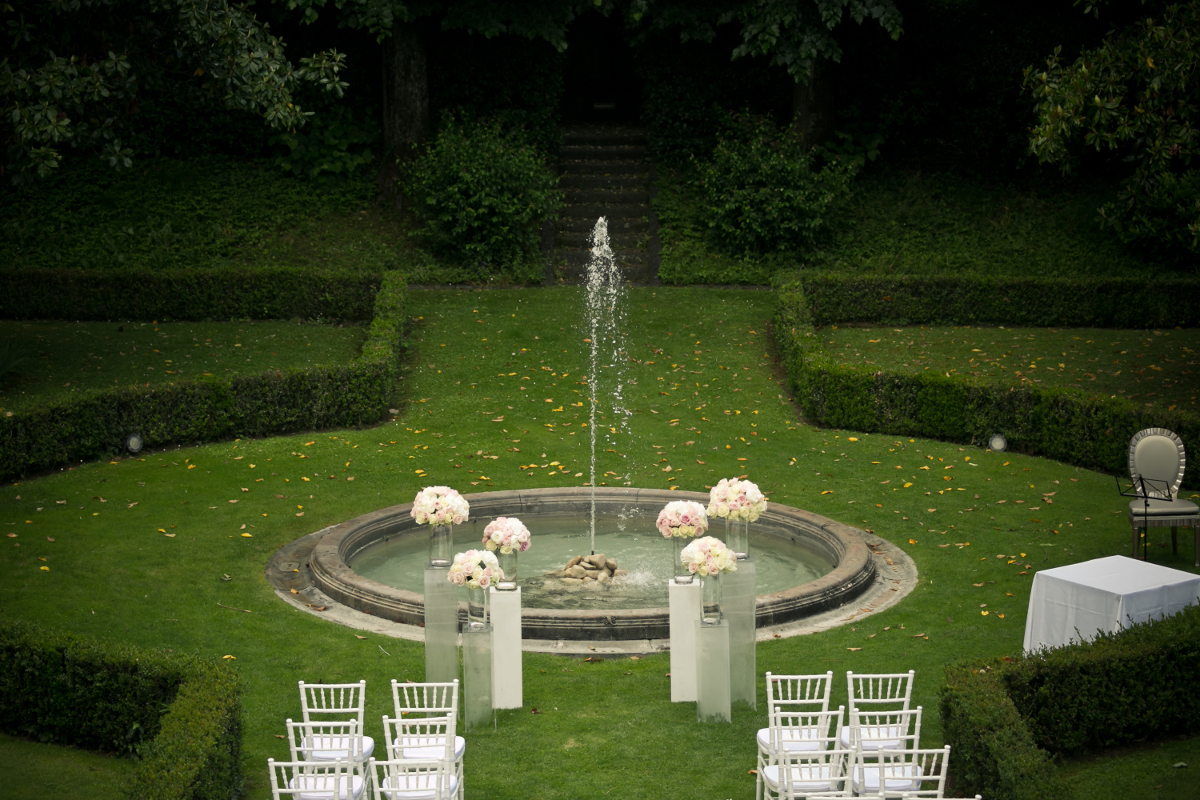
[(507, 686), (477, 677), (685, 600), (712, 672), (737, 601), (441, 626)]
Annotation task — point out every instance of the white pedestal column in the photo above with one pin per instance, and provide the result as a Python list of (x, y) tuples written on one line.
[(738, 601), (712, 672), (478, 712), (685, 615), (441, 626), (507, 685)]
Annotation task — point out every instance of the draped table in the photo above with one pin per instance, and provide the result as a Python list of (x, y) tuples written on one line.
[(1104, 594)]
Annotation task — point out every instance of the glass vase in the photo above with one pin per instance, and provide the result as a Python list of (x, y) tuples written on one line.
[(682, 573), (477, 608), (441, 545), (737, 537), (508, 565), (710, 613)]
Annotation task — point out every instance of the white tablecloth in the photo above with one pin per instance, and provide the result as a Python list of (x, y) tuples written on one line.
[(1102, 595)]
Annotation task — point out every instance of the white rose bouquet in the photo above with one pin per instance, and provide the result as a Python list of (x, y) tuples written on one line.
[(708, 556), (506, 534), (477, 569), (440, 505), (736, 500), (681, 519)]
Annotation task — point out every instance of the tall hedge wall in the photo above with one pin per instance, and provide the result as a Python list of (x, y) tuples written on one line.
[(94, 424), (1064, 424), (187, 294), (180, 714)]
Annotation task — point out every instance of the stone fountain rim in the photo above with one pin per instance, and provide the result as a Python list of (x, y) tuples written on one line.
[(326, 567)]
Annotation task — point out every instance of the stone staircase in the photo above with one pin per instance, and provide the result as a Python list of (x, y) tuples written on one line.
[(605, 171)]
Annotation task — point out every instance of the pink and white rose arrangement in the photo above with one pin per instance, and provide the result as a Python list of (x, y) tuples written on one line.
[(707, 556), (682, 519), (736, 500), (440, 505), (506, 534), (477, 569)]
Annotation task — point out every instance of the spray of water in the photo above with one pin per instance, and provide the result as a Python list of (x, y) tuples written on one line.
[(605, 311)]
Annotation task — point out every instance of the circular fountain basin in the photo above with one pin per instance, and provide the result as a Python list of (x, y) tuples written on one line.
[(805, 563)]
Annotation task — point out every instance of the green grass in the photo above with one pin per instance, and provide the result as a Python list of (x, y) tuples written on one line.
[(601, 726), (68, 357), (33, 769), (1159, 769), (1157, 368), (907, 223)]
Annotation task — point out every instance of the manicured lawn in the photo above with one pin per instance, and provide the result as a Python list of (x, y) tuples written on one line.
[(1159, 769), (69, 357), (1154, 368), (152, 550), (51, 772)]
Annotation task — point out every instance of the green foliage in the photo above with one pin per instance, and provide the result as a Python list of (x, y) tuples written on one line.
[(56, 91), (12, 357), (180, 714), (1136, 94), (762, 192), (1064, 424), (1119, 688), (483, 197), (994, 753), (334, 141), (94, 424), (200, 294)]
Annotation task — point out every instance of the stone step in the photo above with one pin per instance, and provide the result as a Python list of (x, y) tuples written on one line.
[(581, 255), (607, 197), (595, 210), (604, 136), (575, 272), (593, 152), (600, 166), (617, 239), (627, 182), (575, 224)]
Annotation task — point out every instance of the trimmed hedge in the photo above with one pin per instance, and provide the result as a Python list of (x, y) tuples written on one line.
[(186, 294), (1031, 302), (1006, 718), (95, 424), (181, 715), (1064, 424)]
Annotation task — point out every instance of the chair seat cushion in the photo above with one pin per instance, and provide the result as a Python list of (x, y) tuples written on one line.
[(323, 787), (793, 740), (899, 778), (1163, 508), (428, 748), (804, 777), (337, 748), (875, 737), (418, 786)]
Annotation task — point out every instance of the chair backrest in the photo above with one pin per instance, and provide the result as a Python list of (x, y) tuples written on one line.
[(912, 773), (333, 700), (810, 691), (1158, 454), (872, 730), (424, 699), (829, 776), (299, 780), (420, 738), (880, 690), (814, 728), (323, 742), (413, 780)]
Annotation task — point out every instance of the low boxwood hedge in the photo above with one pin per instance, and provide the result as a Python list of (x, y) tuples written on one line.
[(187, 294), (1064, 424), (179, 715), (1007, 719), (95, 424)]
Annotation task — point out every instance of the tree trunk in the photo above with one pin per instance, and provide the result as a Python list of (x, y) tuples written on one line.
[(812, 106), (405, 105)]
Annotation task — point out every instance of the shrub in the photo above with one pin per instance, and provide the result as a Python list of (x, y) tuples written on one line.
[(180, 714), (483, 196), (94, 424), (333, 142), (762, 191)]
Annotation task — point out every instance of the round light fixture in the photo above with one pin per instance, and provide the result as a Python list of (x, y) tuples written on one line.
[(997, 444), (134, 442)]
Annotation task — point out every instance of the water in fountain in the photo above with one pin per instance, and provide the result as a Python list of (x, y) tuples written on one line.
[(605, 313)]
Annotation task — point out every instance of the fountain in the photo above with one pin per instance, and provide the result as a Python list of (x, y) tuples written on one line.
[(805, 563)]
